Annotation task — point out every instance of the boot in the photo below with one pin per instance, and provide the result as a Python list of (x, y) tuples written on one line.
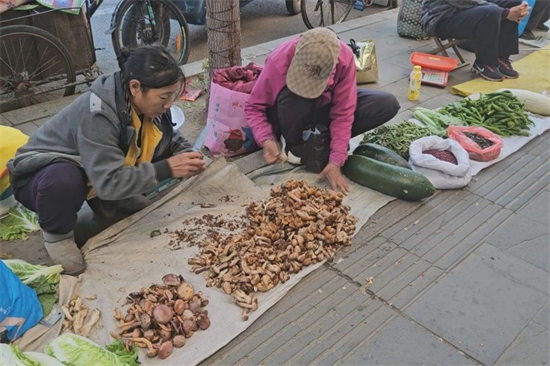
[(62, 250)]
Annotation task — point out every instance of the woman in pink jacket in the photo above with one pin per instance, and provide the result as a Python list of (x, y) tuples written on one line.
[(308, 87)]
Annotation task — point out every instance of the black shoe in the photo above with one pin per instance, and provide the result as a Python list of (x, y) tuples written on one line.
[(487, 72), (543, 28), (505, 67), (528, 35)]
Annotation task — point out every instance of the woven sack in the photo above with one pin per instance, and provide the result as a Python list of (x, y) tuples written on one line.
[(408, 20)]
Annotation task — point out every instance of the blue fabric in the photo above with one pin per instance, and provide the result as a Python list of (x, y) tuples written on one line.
[(20, 309), (525, 20)]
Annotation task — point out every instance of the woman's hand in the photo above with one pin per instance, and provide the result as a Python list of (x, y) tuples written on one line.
[(186, 165), (272, 154), (517, 13), (337, 181)]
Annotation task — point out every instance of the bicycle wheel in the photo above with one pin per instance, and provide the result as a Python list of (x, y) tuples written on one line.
[(152, 22), (34, 67), (322, 13), (293, 6)]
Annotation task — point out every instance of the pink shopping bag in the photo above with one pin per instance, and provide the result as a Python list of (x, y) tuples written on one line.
[(229, 133)]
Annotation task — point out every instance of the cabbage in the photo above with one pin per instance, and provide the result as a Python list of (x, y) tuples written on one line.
[(17, 223), (42, 359), (74, 350), (8, 357), (29, 273), (42, 279), (12, 356)]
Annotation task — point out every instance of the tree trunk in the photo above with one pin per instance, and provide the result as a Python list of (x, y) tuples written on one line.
[(224, 34)]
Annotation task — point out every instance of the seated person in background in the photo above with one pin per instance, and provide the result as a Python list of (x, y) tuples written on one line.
[(539, 16), (492, 25), (311, 80)]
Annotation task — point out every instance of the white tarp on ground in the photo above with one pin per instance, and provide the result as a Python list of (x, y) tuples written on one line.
[(124, 258), (511, 144)]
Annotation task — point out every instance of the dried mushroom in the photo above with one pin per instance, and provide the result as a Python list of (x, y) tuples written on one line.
[(298, 226)]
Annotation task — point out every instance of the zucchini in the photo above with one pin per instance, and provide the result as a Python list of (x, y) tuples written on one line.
[(389, 179), (381, 153)]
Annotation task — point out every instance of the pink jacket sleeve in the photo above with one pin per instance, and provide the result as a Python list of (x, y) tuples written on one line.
[(268, 86), (344, 102)]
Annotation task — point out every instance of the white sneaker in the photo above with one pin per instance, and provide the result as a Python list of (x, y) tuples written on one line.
[(291, 158)]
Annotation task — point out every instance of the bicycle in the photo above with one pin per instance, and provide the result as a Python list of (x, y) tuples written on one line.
[(322, 13), (35, 66), (137, 23)]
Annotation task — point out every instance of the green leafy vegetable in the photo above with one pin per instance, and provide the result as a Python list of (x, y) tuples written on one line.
[(75, 350), (42, 279), (17, 223), (43, 359), (117, 347), (12, 356), (397, 137), (436, 122), (28, 273), (46, 292)]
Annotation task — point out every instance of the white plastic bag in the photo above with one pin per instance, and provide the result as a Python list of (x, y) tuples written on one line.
[(441, 174)]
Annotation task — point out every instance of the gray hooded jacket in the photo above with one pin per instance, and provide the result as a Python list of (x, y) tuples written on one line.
[(90, 133), (433, 11)]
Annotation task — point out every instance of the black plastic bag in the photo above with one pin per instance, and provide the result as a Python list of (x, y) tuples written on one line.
[(316, 150)]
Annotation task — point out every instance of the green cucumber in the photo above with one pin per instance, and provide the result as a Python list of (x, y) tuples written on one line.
[(392, 180), (381, 153)]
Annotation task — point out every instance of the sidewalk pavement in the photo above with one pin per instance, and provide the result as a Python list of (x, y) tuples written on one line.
[(462, 278)]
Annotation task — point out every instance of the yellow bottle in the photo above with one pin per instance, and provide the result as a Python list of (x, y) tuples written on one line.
[(414, 83)]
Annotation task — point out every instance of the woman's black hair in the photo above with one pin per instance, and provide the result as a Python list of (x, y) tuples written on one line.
[(152, 66)]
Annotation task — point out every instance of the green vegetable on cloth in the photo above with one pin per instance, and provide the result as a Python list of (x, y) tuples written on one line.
[(17, 223), (436, 122), (74, 350), (501, 113), (12, 356), (42, 279), (397, 137)]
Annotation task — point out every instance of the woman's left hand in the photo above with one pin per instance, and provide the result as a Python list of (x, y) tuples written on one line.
[(337, 181)]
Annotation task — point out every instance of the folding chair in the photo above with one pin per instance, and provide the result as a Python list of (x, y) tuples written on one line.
[(451, 43)]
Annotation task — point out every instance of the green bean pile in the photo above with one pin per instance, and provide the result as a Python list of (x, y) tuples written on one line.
[(501, 113), (397, 137)]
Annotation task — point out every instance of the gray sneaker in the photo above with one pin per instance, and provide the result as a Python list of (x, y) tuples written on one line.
[(62, 250), (487, 72), (506, 69)]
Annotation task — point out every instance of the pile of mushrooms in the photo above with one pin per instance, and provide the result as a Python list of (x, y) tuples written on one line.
[(162, 317), (298, 226), (76, 314)]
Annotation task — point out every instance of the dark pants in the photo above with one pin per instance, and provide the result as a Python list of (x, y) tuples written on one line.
[(539, 15), (292, 114), (493, 37), (56, 193)]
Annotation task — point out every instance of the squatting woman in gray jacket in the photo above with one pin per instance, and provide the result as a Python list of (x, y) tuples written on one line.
[(112, 143)]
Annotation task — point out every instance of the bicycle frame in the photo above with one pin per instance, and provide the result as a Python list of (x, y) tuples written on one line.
[(92, 6)]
